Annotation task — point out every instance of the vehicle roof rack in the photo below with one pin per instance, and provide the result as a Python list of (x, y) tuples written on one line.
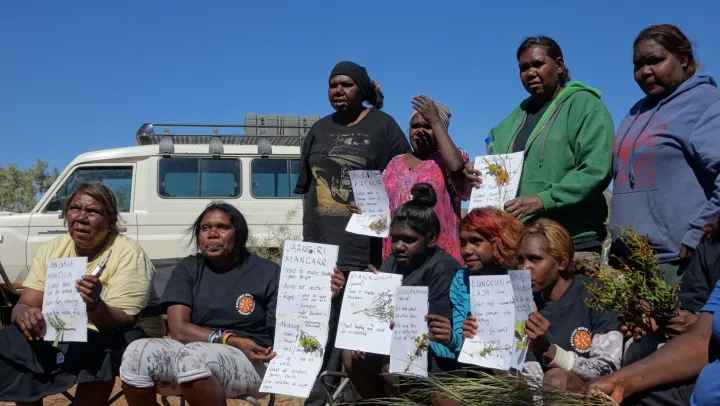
[(263, 131)]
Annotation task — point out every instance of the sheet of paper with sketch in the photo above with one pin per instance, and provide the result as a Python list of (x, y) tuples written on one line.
[(63, 308), (372, 198), (500, 180)]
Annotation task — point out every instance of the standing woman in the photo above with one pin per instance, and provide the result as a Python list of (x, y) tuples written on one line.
[(566, 134), (355, 137), (667, 152)]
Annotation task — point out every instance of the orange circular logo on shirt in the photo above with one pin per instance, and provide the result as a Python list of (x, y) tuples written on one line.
[(245, 304), (581, 340)]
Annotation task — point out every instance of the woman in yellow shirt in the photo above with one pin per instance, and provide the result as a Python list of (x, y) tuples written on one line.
[(31, 367)]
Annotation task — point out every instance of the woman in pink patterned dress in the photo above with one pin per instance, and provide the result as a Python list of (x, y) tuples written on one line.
[(437, 161)]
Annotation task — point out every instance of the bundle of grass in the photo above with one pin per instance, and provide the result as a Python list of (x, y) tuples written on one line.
[(484, 389), (637, 289)]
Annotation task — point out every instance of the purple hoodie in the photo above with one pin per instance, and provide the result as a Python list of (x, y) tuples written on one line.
[(666, 165)]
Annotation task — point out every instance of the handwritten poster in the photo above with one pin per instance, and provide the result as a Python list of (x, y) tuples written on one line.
[(523, 302), (371, 197), (409, 349), (500, 180), (491, 302), (367, 310), (63, 308), (302, 317)]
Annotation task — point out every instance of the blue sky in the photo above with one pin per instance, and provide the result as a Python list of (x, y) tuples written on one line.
[(82, 75)]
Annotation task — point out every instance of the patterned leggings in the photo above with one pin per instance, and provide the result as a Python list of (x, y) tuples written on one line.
[(167, 363)]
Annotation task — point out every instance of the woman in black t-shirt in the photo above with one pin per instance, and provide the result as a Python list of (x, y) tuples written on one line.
[(221, 314), (353, 138), (570, 343)]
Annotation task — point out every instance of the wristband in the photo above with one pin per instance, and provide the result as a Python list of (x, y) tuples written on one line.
[(211, 337), (226, 337)]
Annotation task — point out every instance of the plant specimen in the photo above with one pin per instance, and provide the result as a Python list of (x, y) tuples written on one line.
[(421, 346), (379, 226), (381, 308), (310, 344), (521, 338), (637, 289), (499, 169)]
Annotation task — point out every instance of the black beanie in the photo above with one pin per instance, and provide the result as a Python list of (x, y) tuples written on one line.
[(358, 74)]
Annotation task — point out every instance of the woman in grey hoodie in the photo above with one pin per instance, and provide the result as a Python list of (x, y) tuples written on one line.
[(667, 150)]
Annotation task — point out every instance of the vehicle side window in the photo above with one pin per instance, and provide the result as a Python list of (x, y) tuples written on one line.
[(118, 179), (272, 178), (199, 178)]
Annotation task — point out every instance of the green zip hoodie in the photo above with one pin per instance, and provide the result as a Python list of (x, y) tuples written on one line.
[(568, 158)]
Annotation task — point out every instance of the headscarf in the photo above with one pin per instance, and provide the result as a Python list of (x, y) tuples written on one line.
[(444, 112)]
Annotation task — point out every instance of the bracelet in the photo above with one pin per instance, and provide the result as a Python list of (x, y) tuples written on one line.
[(226, 337), (212, 336)]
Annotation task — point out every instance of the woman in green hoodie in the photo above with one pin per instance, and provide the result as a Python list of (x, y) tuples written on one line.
[(567, 135)]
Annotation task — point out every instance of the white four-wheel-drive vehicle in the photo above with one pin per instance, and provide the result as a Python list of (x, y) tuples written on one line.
[(164, 182)]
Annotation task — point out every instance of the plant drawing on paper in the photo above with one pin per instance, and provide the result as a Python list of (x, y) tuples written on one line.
[(60, 326), (381, 308)]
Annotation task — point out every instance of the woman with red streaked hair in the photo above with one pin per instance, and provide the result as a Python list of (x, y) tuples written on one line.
[(488, 242)]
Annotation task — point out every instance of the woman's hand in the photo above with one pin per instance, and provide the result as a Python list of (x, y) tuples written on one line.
[(357, 355), (681, 323), (638, 331), (337, 282), (371, 268), (90, 289), (30, 321), (521, 207), (440, 329), (470, 327), (427, 108), (608, 385), (472, 175), (536, 329), (686, 252), (354, 208), (254, 352)]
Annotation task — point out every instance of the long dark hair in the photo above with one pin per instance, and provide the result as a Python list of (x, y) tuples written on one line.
[(418, 213), (553, 51), (674, 41), (237, 220)]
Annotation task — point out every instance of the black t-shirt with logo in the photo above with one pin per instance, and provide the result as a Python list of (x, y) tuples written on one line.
[(242, 300), (330, 151), (572, 323)]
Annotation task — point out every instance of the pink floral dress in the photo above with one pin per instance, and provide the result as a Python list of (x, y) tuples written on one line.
[(399, 179)]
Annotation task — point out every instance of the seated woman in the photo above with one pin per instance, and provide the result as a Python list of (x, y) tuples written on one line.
[(414, 230), (488, 237), (570, 343), (31, 367), (221, 313)]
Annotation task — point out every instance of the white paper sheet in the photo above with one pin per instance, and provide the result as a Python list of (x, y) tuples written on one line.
[(371, 196), (302, 317), (411, 307), (366, 313), (63, 308), (523, 302), (491, 302), (490, 193)]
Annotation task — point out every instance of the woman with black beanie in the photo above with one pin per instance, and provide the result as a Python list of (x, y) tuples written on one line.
[(355, 137)]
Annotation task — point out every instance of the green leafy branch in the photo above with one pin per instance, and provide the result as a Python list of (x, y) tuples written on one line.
[(310, 344), (521, 338), (60, 326)]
